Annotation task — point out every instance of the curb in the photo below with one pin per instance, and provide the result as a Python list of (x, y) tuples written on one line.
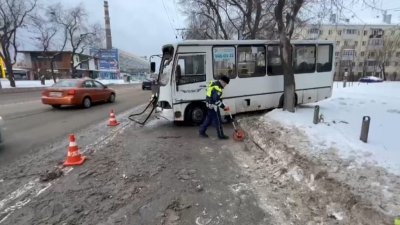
[(34, 89), (20, 90)]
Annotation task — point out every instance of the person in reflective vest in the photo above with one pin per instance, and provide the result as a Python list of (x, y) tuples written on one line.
[(214, 103)]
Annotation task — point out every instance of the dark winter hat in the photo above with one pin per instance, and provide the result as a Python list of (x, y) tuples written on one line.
[(225, 79)]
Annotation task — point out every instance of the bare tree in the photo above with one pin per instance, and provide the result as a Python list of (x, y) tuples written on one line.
[(13, 14), (251, 18), (51, 39), (391, 44), (285, 14), (79, 34), (198, 28), (222, 19), (206, 19)]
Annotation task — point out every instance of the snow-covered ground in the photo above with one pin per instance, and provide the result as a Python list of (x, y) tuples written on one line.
[(36, 83), (118, 81), (343, 114), (25, 83)]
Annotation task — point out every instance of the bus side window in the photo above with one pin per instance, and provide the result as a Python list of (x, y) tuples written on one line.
[(274, 65), (304, 59), (224, 62), (324, 58), (251, 61)]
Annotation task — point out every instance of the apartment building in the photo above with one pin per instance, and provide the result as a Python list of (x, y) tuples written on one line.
[(362, 50)]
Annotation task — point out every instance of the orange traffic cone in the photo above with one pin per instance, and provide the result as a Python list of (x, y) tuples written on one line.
[(74, 157), (112, 122)]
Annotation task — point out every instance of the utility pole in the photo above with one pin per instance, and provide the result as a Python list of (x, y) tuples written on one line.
[(181, 31)]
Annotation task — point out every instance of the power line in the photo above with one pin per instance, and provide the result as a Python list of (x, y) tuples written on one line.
[(176, 9), (169, 19)]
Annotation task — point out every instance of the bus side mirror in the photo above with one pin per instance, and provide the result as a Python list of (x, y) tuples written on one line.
[(153, 67)]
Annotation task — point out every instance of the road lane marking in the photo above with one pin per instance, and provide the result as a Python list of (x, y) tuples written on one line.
[(17, 193), (34, 188), (19, 103)]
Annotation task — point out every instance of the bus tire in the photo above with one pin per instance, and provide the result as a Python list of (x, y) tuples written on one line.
[(195, 113)]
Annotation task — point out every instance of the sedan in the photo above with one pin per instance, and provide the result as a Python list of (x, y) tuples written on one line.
[(77, 92)]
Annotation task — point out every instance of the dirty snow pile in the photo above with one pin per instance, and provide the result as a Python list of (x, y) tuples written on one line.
[(343, 114)]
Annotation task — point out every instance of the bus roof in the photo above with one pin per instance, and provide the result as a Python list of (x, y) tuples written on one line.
[(247, 42)]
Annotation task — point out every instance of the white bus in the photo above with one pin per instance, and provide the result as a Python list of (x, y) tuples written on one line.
[(254, 67)]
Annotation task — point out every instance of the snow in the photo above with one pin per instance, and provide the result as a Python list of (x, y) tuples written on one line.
[(343, 114), (373, 78), (25, 83), (36, 83), (107, 82)]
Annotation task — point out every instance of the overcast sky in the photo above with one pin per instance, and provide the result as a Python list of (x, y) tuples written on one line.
[(143, 26), (140, 27)]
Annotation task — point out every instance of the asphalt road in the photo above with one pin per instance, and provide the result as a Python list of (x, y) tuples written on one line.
[(29, 124)]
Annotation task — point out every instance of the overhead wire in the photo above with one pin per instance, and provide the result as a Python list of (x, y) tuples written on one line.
[(169, 20)]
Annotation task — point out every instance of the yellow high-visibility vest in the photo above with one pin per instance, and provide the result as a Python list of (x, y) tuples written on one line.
[(211, 87)]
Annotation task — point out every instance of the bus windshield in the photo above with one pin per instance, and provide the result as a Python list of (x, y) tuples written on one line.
[(166, 66)]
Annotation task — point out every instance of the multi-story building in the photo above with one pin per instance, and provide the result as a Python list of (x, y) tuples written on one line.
[(362, 50), (31, 65)]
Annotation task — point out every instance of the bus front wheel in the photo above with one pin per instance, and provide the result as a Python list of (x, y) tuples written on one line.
[(195, 113)]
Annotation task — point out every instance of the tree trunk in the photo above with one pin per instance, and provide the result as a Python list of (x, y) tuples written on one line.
[(10, 72), (72, 66), (288, 74), (52, 70), (383, 72)]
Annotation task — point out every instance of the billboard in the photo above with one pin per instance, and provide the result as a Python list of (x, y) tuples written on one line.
[(108, 58)]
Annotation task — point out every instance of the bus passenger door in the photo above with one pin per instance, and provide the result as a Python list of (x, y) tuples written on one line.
[(190, 78)]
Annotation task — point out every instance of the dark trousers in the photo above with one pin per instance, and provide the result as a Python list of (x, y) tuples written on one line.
[(213, 117)]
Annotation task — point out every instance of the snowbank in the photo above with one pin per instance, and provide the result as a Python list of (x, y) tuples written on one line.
[(107, 82), (343, 114), (36, 83), (26, 83)]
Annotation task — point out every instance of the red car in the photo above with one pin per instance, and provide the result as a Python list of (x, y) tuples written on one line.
[(77, 92)]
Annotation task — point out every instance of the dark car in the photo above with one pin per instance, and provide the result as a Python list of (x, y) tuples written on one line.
[(147, 83), (370, 79)]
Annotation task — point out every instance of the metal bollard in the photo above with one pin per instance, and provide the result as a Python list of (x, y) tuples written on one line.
[(316, 114), (365, 128)]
